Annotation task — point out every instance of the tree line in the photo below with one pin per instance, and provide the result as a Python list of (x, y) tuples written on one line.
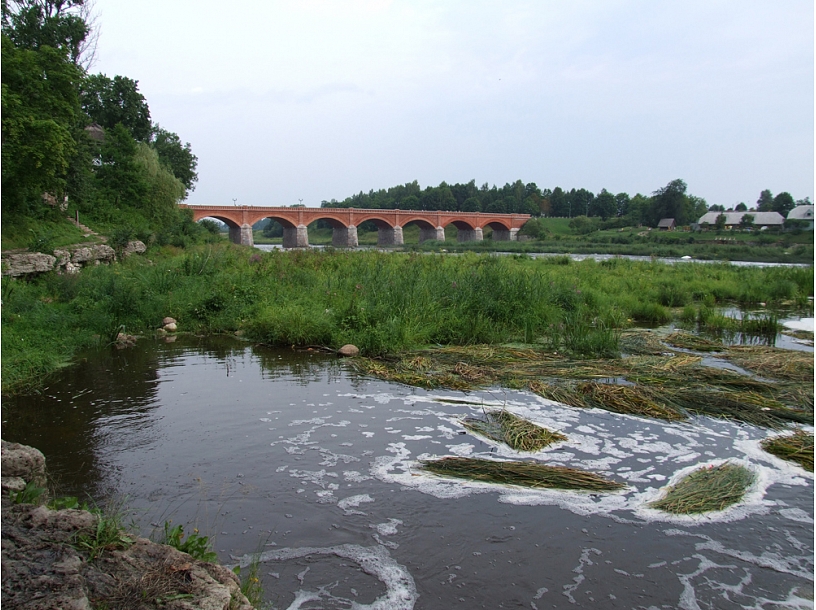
[(87, 140), (670, 201)]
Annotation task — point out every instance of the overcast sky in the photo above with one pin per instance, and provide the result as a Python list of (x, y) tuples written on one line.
[(320, 99)]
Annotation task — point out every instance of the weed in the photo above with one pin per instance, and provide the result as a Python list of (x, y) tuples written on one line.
[(707, 489), (32, 494), (797, 447), (524, 474), (251, 585), (68, 502), (108, 535), (198, 547), (517, 433)]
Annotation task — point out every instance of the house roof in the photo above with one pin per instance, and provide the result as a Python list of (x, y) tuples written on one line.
[(801, 212), (734, 218), (665, 222)]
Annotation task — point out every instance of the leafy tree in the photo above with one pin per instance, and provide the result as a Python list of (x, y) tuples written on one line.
[(719, 223), (783, 203), (747, 222), (39, 109), (765, 201), (584, 225), (622, 204), (59, 24), (177, 157), (116, 101), (121, 181), (741, 207), (805, 201), (471, 204), (670, 202), (606, 204), (716, 208)]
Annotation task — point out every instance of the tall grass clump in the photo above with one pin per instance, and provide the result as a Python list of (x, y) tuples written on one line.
[(524, 474), (797, 447), (515, 432), (707, 489)]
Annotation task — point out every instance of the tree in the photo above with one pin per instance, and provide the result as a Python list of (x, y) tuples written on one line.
[(178, 158), (741, 207), (120, 179), (747, 222), (765, 201), (716, 208), (783, 203), (719, 223), (39, 109), (670, 202), (471, 204), (605, 204), (66, 25), (116, 101)]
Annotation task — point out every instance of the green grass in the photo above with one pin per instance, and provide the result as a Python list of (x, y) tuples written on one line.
[(524, 474), (797, 447), (41, 235), (515, 432), (707, 489), (381, 302)]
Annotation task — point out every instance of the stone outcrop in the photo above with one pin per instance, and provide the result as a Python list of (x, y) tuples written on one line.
[(44, 568), (64, 260)]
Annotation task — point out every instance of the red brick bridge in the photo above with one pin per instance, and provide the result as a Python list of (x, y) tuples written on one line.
[(344, 222)]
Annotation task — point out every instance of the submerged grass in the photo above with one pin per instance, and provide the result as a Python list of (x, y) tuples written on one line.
[(694, 342), (516, 432), (772, 362), (525, 474), (706, 489), (797, 447)]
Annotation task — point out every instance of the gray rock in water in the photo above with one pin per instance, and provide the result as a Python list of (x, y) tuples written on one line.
[(348, 350)]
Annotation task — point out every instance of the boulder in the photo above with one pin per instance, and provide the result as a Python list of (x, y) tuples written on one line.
[(82, 256), (169, 320), (348, 350), (171, 327), (134, 247), (25, 263), (103, 253), (18, 460)]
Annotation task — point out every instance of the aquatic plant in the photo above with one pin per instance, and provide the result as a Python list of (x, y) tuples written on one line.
[(524, 474), (516, 432), (694, 342), (198, 547), (707, 489), (797, 447), (773, 362)]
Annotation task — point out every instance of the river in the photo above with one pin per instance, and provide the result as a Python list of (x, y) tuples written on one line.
[(296, 457)]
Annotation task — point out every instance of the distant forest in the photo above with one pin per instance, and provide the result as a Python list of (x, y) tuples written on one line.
[(671, 201)]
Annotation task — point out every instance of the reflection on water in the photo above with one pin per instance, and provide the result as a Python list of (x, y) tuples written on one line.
[(293, 456)]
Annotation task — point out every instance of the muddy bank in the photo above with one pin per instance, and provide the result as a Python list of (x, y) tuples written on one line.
[(64, 559)]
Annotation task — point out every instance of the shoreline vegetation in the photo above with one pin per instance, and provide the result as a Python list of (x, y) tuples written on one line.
[(384, 303)]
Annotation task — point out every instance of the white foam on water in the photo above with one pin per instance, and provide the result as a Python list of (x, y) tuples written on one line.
[(346, 504), (387, 529), (607, 443), (401, 592)]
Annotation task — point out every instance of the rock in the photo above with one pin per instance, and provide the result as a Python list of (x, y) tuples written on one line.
[(22, 461), (63, 257), (239, 333), (169, 320), (44, 569), (134, 247), (81, 256), (348, 350), (171, 327), (170, 338), (25, 263), (11, 484), (103, 254)]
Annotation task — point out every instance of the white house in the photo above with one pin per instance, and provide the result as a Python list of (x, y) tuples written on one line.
[(802, 212), (733, 219)]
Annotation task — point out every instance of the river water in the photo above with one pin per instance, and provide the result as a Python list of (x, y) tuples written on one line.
[(296, 457)]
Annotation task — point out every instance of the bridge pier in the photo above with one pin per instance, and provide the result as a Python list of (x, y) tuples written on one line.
[(469, 235), (295, 237), (242, 235), (437, 234), (389, 236), (505, 234), (344, 237)]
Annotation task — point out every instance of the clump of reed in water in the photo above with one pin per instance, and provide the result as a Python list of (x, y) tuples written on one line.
[(517, 433), (525, 474), (631, 400), (693, 342), (706, 489), (796, 447), (772, 362)]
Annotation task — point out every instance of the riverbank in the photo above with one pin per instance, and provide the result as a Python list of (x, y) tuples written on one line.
[(70, 558), (381, 302)]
